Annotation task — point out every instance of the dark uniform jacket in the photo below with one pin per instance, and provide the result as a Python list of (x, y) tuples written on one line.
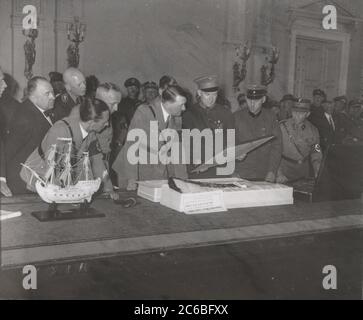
[(197, 117), (326, 132), (63, 105), (141, 120), (344, 125), (8, 106), (265, 158), (26, 131), (300, 147), (127, 108)]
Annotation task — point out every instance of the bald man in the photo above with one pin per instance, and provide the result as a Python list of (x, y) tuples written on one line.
[(27, 129), (75, 85)]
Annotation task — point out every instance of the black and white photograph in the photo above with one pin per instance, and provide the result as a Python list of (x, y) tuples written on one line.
[(181, 155)]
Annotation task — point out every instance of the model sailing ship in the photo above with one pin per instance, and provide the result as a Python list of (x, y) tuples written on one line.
[(58, 184)]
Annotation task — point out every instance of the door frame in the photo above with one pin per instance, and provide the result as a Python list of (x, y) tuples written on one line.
[(327, 35)]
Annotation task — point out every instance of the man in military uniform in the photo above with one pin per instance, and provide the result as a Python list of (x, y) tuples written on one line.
[(300, 145), (254, 123), (356, 116), (341, 118), (129, 104), (207, 113), (150, 90), (286, 104), (75, 85)]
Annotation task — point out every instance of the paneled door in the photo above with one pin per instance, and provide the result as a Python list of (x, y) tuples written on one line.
[(317, 66)]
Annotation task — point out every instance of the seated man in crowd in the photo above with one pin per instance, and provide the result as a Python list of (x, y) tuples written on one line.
[(93, 117), (28, 127), (300, 145), (165, 110), (75, 85), (207, 113), (254, 123)]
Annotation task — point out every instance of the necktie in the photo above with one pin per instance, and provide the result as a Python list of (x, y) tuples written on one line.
[(331, 122), (167, 122)]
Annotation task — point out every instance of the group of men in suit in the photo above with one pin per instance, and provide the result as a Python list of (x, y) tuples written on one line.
[(103, 122)]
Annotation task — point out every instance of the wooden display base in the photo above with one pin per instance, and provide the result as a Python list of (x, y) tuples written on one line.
[(53, 214)]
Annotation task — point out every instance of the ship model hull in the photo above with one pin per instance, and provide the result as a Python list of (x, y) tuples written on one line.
[(78, 193)]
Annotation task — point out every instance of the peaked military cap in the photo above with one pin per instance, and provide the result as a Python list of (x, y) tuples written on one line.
[(301, 105), (150, 85), (319, 92), (255, 92), (207, 83), (341, 98), (55, 76), (132, 82), (288, 97), (355, 103)]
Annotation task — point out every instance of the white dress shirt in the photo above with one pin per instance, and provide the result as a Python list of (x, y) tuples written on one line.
[(330, 120), (46, 117)]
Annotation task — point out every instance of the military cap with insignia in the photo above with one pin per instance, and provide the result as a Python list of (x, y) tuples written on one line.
[(355, 103), (255, 92), (341, 98), (319, 92), (132, 82), (288, 97), (150, 85), (301, 105), (55, 76), (207, 83)]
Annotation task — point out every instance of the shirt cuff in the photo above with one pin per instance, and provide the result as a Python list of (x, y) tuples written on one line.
[(3, 179)]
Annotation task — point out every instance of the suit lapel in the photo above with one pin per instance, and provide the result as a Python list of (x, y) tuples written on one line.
[(156, 105), (37, 115)]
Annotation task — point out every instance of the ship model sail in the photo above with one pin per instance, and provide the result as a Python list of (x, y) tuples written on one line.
[(59, 183)]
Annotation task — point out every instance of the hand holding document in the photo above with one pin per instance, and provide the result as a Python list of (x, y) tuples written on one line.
[(240, 153)]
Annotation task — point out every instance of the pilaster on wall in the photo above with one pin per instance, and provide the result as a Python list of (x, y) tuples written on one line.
[(236, 16), (247, 20)]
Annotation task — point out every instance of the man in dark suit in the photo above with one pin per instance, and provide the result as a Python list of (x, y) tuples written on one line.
[(253, 123), (326, 124), (27, 129), (75, 85), (4, 189)]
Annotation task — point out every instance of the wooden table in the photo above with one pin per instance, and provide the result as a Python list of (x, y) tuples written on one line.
[(151, 227)]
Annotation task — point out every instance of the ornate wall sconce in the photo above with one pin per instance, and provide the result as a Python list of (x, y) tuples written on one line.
[(76, 34), (268, 69), (29, 50), (240, 69)]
